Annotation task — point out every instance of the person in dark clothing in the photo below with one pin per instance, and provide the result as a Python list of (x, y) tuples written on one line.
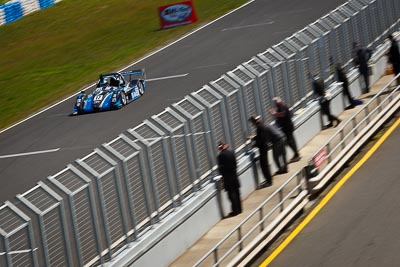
[(394, 57), (360, 59), (341, 76), (261, 142), (278, 140), (227, 167), (319, 91), (283, 119)]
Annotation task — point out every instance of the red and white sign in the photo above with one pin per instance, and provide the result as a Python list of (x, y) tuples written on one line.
[(320, 158), (177, 14)]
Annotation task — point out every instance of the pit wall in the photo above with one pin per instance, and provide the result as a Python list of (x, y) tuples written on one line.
[(168, 240)]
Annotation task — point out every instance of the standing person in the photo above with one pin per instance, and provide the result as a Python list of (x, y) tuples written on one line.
[(261, 142), (283, 119), (278, 140), (227, 167), (394, 56), (361, 58), (341, 75), (319, 91)]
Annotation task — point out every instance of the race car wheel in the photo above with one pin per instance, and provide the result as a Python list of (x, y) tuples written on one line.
[(141, 87), (123, 98)]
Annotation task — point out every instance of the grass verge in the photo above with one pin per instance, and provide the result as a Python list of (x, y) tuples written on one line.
[(52, 53)]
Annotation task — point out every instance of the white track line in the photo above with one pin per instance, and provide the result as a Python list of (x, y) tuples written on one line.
[(167, 77), (29, 153), (130, 65), (248, 26)]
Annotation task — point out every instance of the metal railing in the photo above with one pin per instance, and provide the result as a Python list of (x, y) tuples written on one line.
[(112, 197), (255, 222), (353, 126)]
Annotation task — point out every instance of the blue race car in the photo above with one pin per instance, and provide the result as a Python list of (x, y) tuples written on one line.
[(113, 90)]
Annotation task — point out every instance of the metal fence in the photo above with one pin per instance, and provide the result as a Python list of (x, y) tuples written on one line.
[(87, 213), (344, 137)]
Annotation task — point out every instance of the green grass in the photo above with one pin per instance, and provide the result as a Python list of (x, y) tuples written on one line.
[(54, 52)]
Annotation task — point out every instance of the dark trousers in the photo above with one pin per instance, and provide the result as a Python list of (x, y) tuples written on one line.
[(291, 142), (264, 165), (396, 70), (347, 94), (366, 81), (279, 152), (234, 197), (326, 110)]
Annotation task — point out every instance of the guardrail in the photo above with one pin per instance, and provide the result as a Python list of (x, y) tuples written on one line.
[(264, 216), (347, 136), (113, 196), (251, 231)]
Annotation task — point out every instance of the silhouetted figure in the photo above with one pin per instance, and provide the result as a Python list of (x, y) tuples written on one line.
[(341, 75), (394, 56), (324, 102), (261, 142), (227, 167), (361, 58), (283, 119)]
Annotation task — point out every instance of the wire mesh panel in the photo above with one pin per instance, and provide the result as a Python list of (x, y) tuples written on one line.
[(301, 46), (137, 183), (336, 38), (181, 153), (396, 9), (85, 225), (293, 67), (152, 140), (265, 84), (327, 49), (236, 115), (346, 34), (275, 61), (250, 90), (201, 143), (103, 169), (16, 236), (384, 14), (356, 22), (366, 37), (49, 208), (318, 60), (216, 113), (351, 13), (373, 22)]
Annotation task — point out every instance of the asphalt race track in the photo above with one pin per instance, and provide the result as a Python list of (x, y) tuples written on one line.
[(359, 225), (46, 143)]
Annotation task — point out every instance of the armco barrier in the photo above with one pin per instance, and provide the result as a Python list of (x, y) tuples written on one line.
[(123, 202)]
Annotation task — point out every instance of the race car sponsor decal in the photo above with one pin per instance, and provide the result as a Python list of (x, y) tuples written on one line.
[(177, 14)]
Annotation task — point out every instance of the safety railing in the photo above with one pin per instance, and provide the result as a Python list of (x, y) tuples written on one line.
[(343, 137), (114, 195), (255, 223)]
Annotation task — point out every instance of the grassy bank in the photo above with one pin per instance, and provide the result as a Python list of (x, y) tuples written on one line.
[(54, 52)]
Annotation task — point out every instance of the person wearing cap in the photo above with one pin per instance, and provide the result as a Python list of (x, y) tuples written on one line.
[(394, 56), (261, 142), (283, 119), (227, 168)]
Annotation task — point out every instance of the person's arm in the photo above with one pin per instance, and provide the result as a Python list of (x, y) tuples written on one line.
[(278, 114)]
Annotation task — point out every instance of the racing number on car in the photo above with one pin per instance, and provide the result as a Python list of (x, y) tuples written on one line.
[(98, 97)]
